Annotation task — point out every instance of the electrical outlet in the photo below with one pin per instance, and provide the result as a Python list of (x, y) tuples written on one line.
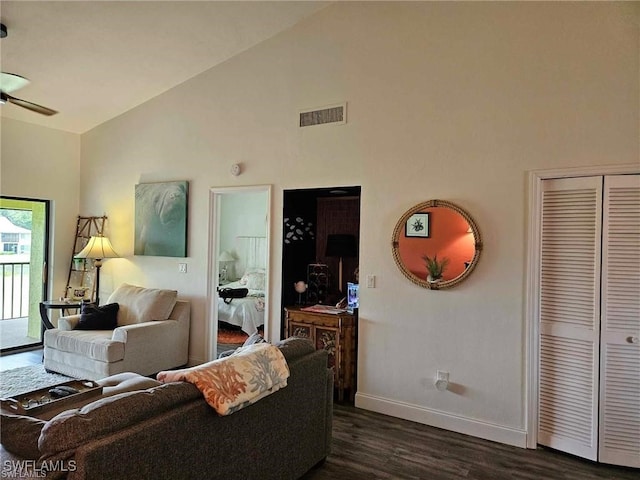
[(371, 281), (442, 380), (182, 268)]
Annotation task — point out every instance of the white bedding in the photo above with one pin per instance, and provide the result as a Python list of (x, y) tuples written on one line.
[(246, 313)]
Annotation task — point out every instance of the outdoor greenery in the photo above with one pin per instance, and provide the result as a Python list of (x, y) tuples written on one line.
[(21, 218)]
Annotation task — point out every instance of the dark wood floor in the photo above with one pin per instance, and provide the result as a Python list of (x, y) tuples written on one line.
[(370, 446)]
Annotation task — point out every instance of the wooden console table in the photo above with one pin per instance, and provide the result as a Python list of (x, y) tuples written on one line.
[(335, 333)]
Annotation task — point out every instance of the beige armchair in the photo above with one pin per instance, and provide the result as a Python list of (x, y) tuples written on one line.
[(152, 335)]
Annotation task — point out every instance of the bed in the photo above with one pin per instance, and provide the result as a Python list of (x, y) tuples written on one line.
[(248, 312)]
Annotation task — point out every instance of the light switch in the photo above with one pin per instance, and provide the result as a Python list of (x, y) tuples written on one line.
[(182, 268), (371, 281)]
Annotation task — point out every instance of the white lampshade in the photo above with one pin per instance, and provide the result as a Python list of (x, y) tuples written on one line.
[(226, 257), (98, 248)]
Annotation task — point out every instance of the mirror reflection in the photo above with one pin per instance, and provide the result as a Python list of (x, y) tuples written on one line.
[(436, 244)]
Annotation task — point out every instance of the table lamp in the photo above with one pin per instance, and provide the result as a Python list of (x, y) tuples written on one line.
[(224, 260), (98, 248)]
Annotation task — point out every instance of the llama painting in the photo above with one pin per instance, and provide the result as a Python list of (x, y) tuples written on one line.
[(161, 219)]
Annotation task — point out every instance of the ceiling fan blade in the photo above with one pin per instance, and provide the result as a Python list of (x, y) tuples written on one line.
[(34, 107)]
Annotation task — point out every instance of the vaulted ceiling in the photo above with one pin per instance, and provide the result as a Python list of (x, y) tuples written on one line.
[(94, 60)]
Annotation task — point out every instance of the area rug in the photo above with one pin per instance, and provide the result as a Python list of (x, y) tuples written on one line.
[(231, 337), (26, 379)]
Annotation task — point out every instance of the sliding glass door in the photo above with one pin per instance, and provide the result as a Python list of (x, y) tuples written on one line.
[(24, 248)]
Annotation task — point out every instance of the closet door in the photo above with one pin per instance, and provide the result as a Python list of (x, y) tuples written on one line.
[(620, 342), (570, 315)]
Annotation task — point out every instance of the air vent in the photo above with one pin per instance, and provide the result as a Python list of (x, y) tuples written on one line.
[(319, 116)]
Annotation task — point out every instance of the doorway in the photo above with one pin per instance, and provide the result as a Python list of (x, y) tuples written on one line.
[(321, 234), (239, 240), (24, 246)]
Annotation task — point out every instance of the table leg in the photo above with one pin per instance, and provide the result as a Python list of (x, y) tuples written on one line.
[(45, 317)]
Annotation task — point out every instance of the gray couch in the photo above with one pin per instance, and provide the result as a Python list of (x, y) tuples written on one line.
[(170, 432)]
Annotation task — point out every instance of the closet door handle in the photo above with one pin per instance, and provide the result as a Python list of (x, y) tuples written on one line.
[(632, 339)]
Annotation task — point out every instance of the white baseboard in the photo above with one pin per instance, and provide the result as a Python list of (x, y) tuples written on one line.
[(447, 421)]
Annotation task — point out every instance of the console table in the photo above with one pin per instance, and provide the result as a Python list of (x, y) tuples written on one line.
[(333, 332)]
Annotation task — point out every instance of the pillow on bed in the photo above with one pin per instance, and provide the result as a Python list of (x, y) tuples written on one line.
[(254, 279)]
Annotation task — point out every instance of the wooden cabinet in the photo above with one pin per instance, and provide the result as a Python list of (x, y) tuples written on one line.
[(335, 333)]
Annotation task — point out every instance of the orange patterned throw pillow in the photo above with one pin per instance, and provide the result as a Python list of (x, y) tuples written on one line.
[(236, 381)]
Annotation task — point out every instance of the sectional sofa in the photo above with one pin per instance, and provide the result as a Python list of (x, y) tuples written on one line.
[(168, 431)]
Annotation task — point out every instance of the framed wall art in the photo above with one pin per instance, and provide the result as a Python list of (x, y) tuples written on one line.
[(417, 225), (161, 219)]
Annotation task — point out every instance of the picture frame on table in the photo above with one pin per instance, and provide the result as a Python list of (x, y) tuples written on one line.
[(418, 225)]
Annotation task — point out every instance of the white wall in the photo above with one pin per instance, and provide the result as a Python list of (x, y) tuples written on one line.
[(455, 101), (241, 215), (43, 163)]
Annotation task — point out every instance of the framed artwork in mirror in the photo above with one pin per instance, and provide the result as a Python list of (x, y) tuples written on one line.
[(417, 225)]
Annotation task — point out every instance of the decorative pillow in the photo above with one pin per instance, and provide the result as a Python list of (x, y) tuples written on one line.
[(139, 304), (125, 382), (254, 279), (93, 317), (20, 434)]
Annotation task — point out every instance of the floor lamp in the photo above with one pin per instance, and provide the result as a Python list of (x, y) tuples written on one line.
[(97, 249), (341, 245)]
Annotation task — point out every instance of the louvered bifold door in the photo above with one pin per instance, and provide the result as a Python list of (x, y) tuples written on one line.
[(620, 318), (569, 315)]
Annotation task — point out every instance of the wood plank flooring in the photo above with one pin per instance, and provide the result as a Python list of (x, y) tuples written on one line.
[(370, 446)]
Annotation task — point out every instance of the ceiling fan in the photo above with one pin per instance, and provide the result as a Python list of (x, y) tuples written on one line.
[(10, 82)]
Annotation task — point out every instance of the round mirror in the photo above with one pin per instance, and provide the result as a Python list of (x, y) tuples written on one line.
[(436, 244)]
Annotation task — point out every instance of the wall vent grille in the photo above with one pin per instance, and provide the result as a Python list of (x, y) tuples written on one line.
[(323, 115)]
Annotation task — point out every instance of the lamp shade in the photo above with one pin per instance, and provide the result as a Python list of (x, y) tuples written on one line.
[(226, 257), (98, 248), (341, 245)]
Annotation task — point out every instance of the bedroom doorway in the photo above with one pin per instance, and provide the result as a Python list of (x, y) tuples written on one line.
[(310, 218), (239, 239)]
